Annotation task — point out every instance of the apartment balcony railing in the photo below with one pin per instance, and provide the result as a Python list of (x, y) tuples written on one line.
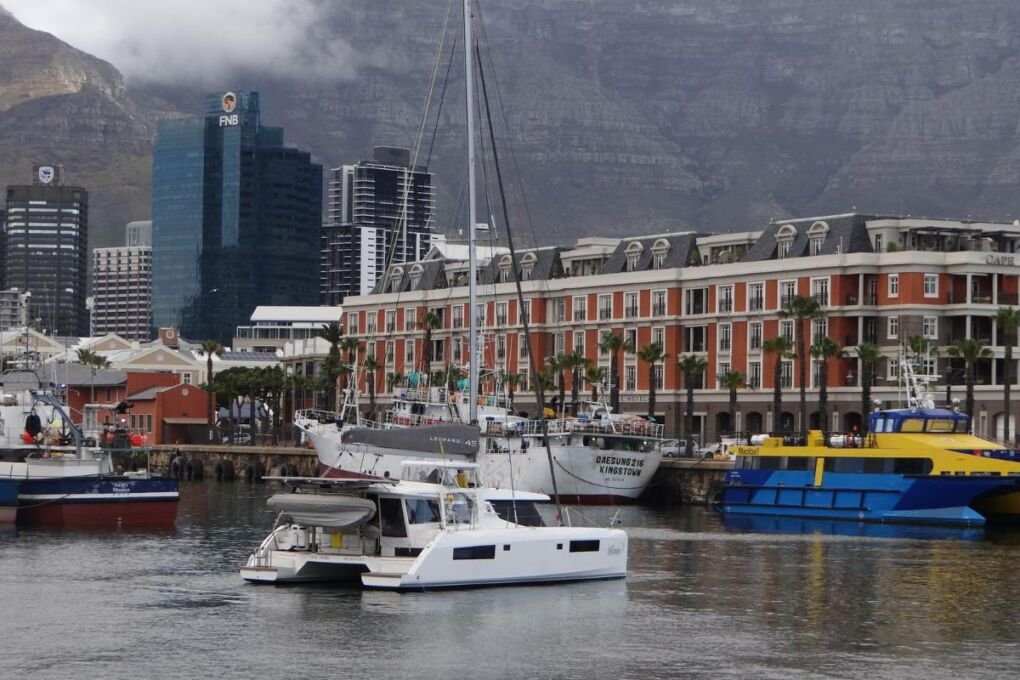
[(821, 299), (659, 309), (580, 315), (631, 312), (605, 313), (756, 304), (725, 305)]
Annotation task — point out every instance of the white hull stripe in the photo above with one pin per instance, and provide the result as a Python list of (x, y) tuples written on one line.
[(148, 496)]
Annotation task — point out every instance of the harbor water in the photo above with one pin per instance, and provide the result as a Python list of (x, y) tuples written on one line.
[(703, 599)]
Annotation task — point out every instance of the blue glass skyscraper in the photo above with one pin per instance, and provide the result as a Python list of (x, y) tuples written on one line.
[(235, 220)]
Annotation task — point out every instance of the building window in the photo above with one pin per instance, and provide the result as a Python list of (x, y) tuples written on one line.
[(526, 317), (878, 243), (725, 337), (559, 344), (930, 327), (352, 323), (437, 350), (786, 329), (410, 318), (370, 323), (391, 321), (633, 253), (630, 305), (723, 368), (409, 354), (500, 348), (930, 367), (894, 369), (658, 303), (580, 305), (579, 342), (389, 352), (522, 346), (893, 327), (754, 374), (504, 269), (696, 301), (754, 335), (783, 251), (894, 285), (501, 313), (820, 291), (694, 339), (630, 378), (659, 336), (659, 251), (480, 314), (787, 291), (186, 378), (528, 266), (458, 316), (630, 334), (819, 330), (931, 285), (415, 276), (657, 376), (786, 374), (816, 244), (605, 307), (725, 301), (559, 310), (756, 296)]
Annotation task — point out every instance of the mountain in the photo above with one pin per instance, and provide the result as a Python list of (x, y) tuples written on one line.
[(60, 105), (623, 117)]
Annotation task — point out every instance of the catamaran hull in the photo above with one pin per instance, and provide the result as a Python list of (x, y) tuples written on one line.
[(460, 560), (99, 502)]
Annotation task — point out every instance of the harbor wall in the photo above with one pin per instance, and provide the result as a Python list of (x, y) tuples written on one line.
[(686, 481)]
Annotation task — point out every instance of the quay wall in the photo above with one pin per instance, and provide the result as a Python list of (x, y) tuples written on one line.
[(678, 481)]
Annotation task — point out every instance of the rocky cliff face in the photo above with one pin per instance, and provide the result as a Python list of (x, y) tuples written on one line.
[(624, 117)]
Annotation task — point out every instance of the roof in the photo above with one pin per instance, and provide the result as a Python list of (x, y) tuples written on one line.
[(317, 315), (185, 421), (547, 265), (844, 234), (681, 246), (150, 393), (249, 356)]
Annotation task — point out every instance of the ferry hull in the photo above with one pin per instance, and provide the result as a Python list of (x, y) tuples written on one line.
[(99, 503)]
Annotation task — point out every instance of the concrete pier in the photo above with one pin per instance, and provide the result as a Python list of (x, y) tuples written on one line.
[(686, 481)]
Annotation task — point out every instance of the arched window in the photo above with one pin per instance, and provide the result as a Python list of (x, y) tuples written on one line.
[(784, 240), (504, 269), (528, 265), (633, 251), (415, 275), (396, 274), (816, 236), (659, 251)]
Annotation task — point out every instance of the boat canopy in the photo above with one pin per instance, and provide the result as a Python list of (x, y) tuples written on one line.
[(931, 420)]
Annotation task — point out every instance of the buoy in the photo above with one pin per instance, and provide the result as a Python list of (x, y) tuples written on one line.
[(177, 468), (253, 473), (224, 471), (193, 470), (136, 439), (284, 471), (27, 438)]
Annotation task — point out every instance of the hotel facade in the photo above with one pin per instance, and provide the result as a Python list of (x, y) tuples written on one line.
[(878, 279)]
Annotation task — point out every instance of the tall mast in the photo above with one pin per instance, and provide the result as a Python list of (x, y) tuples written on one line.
[(473, 354)]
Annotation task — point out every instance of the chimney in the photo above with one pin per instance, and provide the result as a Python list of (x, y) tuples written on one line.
[(168, 336)]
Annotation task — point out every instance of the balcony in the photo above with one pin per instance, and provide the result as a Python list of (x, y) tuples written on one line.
[(659, 309), (786, 299), (605, 313), (851, 299), (726, 305), (756, 304), (822, 299), (631, 312), (580, 315), (501, 319)]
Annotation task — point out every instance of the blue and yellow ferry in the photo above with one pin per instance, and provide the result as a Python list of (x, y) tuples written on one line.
[(916, 465)]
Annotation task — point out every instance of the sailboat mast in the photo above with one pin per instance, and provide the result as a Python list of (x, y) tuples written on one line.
[(473, 367)]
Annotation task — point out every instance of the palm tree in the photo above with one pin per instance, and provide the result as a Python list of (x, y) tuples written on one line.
[(575, 362), (349, 345), (371, 365), (557, 365), (393, 379), (612, 344), (822, 351), (971, 351), (430, 321), (693, 366), (594, 375), (869, 355), (651, 354), (511, 381), (1007, 319), (782, 348), (733, 381), (802, 309), (333, 333), (209, 348), (94, 362)]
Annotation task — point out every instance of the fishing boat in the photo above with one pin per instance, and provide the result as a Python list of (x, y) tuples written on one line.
[(8, 501), (65, 479), (424, 535), (919, 464)]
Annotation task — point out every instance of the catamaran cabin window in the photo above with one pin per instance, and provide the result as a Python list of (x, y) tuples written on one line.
[(392, 517), (422, 511), (475, 552), (584, 546)]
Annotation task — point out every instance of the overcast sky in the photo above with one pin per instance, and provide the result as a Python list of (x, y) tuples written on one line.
[(198, 41)]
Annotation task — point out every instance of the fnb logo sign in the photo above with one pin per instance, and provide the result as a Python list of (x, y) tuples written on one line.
[(226, 121)]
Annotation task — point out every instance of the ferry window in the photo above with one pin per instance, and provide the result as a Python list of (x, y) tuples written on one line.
[(912, 425), (770, 463), (584, 546), (911, 466), (874, 465), (940, 425), (799, 463), (392, 516), (422, 511), (475, 552)]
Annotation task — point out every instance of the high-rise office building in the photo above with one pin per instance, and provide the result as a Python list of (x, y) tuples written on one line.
[(13, 308), (122, 287), (235, 219), (370, 204), (46, 250)]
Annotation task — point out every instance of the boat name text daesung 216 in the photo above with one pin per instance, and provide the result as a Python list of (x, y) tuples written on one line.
[(614, 465)]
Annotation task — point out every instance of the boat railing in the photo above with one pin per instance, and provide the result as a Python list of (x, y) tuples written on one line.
[(850, 440), (403, 419), (600, 426), (320, 416)]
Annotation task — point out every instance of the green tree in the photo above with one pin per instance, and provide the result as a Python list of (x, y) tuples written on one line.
[(557, 365), (371, 366), (651, 354), (1007, 320), (333, 333), (430, 322), (970, 350), (94, 362), (823, 350), (781, 350), (613, 344), (575, 362), (733, 381), (594, 375), (804, 309), (209, 349), (693, 367), (393, 379), (869, 355)]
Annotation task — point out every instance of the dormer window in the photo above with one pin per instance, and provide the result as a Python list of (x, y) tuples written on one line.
[(396, 274), (659, 252), (528, 266), (415, 276), (784, 240), (633, 253), (504, 269), (816, 236)]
